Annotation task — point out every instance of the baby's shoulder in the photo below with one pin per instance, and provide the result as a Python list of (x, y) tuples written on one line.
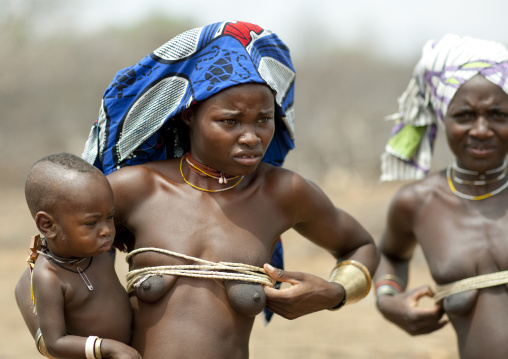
[(44, 273)]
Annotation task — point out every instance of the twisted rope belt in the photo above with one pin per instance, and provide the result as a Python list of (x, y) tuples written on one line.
[(212, 270), (478, 282)]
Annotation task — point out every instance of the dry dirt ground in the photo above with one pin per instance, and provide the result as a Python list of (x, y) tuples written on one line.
[(355, 332)]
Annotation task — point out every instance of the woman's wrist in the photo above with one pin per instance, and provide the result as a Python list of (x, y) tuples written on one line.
[(339, 295), (388, 284)]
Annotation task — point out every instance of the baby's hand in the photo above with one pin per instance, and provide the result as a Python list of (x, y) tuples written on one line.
[(112, 349)]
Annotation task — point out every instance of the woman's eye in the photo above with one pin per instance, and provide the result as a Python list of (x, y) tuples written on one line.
[(464, 116), (264, 119), (500, 116), (229, 121), (91, 223)]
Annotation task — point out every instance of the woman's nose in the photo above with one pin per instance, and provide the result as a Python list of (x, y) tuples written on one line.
[(249, 137), (481, 128)]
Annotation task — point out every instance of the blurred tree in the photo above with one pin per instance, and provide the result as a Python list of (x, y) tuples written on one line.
[(50, 89)]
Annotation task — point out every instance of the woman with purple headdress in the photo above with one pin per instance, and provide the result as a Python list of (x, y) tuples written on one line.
[(459, 216), (192, 138)]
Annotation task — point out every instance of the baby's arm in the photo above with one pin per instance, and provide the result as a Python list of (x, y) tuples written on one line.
[(49, 294), (24, 301)]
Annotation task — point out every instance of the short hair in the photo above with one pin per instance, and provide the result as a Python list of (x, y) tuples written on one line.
[(45, 177)]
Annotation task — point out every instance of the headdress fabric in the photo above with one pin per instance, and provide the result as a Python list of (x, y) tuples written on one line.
[(136, 122), (444, 67)]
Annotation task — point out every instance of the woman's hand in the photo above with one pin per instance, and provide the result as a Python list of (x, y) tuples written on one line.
[(402, 309), (307, 294), (112, 349)]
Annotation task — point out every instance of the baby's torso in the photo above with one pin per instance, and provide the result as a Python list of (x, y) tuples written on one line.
[(96, 303)]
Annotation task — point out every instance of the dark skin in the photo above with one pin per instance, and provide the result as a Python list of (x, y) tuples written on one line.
[(185, 317), (460, 238), (81, 225)]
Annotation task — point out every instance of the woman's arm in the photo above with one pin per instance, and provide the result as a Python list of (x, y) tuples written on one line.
[(397, 245), (316, 218)]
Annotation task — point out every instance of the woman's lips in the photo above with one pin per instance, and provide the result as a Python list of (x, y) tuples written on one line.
[(248, 160), (481, 151)]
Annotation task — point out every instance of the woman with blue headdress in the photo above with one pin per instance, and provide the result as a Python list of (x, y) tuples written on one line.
[(192, 138), (459, 216)]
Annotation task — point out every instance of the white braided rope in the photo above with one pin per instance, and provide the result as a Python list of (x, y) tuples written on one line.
[(211, 270), (478, 282)]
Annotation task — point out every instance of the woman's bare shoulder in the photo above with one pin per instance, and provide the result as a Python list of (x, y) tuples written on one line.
[(293, 190), (281, 179), (140, 176), (413, 195)]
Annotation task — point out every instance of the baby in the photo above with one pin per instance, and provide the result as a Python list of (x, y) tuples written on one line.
[(77, 296)]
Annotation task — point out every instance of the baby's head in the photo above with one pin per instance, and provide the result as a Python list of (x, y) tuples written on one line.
[(72, 204)]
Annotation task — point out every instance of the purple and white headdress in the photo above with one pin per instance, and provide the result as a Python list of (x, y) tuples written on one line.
[(444, 67)]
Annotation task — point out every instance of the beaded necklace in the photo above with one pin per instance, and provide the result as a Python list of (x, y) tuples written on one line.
[(207, 171), (478, 182), (204, 189), (476, 173), (467, 196)]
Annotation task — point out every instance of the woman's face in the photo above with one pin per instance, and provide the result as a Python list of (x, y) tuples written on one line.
[(231, 130), (477, 125)]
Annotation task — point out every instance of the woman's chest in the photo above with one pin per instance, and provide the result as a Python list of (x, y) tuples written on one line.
[(461, 242), (210, 228)]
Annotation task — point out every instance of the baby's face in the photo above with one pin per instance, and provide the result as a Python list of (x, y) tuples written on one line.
[(85, 221)]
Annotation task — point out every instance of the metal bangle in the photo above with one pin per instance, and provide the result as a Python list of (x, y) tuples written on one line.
[(355, 278), (40, 345), (386, 289), (97, 349)]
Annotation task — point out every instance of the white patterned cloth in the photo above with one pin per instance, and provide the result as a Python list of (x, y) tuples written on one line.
[(444, 67)]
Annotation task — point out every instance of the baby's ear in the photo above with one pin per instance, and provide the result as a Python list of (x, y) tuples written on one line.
[(45, 224)]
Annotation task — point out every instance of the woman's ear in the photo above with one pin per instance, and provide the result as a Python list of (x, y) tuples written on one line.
[(45, 224), (186, 116)]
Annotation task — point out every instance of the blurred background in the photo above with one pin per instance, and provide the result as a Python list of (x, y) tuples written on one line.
[(353, 60)]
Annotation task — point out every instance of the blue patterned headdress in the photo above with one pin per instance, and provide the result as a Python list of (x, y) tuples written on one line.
[(136, 122)]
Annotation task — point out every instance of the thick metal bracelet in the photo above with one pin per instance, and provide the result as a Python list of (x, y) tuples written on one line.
[(355, 278)]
